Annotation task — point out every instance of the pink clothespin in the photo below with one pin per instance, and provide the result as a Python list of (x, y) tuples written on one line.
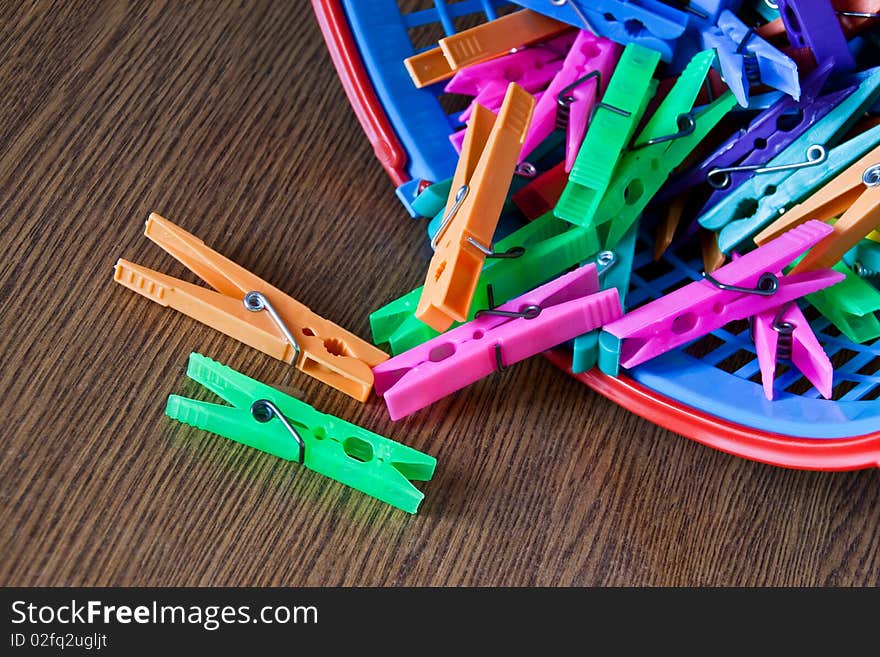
[(783, 333), (496, 338), (531, 68), (743, 288), (575, 89)]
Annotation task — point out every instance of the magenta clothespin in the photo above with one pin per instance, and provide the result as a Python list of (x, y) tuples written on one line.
[(783, 333), (743, 288), (531, 68), (496, 338), (569, 100)]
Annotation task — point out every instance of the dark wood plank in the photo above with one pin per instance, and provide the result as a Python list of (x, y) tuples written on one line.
[(227, 118)]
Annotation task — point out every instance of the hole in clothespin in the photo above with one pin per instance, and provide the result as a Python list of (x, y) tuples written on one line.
[(308, 331), (441, 352), (684, 323), (358, 449), (439, 272)]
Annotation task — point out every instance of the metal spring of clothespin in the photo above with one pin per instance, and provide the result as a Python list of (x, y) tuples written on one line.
[(460, 195), (577, 10), (785, 330), (686, 126), (767, 285), (256, 302), (564, 98), (264, 410), (719, 178)]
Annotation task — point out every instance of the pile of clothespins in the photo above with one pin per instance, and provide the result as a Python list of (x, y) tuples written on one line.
[(712, 122)]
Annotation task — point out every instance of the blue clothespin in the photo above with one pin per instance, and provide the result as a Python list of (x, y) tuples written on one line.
[(271, 421), (734, 216), (746, 59), (648, 23)]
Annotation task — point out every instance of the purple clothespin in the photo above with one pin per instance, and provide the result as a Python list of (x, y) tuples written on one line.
[(766, 136), (814, 24)]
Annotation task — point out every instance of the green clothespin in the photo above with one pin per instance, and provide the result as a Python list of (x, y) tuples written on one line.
[(864, 260), (660, 148), (266, 419), (550, 247), (850, 306), (614, 120), (585, 350)]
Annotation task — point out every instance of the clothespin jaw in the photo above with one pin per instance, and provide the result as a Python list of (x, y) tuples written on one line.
[(733, 217), (498, 337), (784, 332), (703, 306), (550, 246), (298, 336), (745, 58), (479, 44), (330, 446), (479, 189), (613, 123)]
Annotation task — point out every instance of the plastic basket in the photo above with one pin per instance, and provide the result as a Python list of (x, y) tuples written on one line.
[(708, 391)]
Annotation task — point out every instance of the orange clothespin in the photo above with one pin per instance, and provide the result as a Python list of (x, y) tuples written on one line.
[(480, 43), (482, 178), (249, 309), (853, 195)]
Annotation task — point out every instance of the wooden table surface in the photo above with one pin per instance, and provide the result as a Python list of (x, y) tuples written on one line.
[(227, 118)]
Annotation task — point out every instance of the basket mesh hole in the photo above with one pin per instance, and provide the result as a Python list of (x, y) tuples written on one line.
[(454, 103), (870, 368), (468, 21), (872, 394), (425, 36), (842, 357), (736, 361), (411, 6), (841, 389), (799, 387), (705, 345)]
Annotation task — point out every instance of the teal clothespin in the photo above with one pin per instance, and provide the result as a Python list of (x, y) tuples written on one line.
[(550, 247), (432, 199), (613, 123), (585, 350), (266, 419), (733, 215), (803, 182), (850, 306), (660, 148)]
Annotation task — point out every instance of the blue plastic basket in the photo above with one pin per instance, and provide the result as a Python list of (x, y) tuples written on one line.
[(710, 390)]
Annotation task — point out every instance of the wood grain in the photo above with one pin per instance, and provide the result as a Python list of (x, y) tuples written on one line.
[(227, 118)]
